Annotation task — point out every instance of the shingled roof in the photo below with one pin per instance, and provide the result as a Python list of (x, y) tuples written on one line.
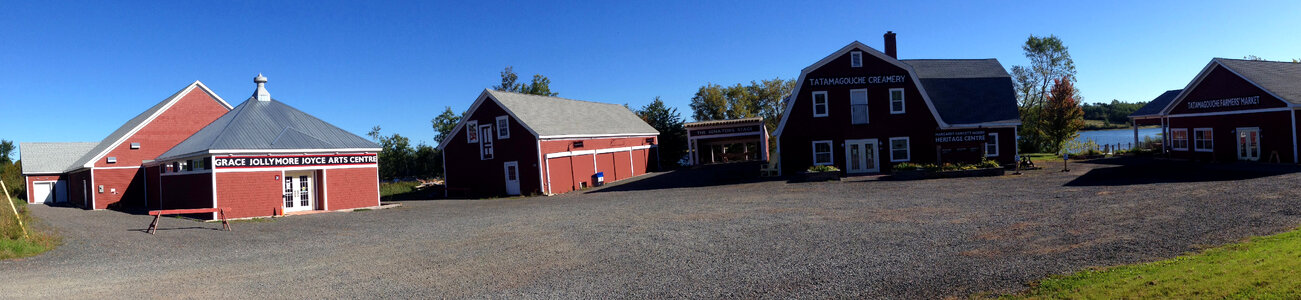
[(1283, 79), (268, 125), (1154, 107), (51, 158), (968, 91)]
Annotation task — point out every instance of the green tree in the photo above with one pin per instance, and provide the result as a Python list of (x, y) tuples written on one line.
[(427, 162), (6, 152), (1062, 116), (396, 157), (11, 174), (444, 124), (539, 86), (673, 136), (758, 99), (1049, 60), (710, 103)]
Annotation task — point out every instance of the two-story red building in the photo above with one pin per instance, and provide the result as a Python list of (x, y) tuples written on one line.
[(862, 111), (521, 144)]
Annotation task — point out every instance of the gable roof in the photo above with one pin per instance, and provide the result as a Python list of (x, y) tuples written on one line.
[(268, 125), (1154, 107), (555, 117), (135, 124), (968, 91), (1283, 79), (48, 158)]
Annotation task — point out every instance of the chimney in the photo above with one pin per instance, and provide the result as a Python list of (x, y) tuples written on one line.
[(889, 45), (261, 94)]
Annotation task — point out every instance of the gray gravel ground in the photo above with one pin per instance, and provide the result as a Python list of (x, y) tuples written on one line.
[(860, 238)]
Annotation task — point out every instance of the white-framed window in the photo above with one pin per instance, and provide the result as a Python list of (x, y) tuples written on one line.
[(820, 104), (1179, 139), (896, 101), (900, 149), (991, 145), (856, 59), (112, 159), (1203, 140), (858, 106), (135, 145), (503, 128), (822, 153), (472, 132), (185, 166)]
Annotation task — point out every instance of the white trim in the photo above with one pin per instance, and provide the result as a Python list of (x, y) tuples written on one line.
[(903, 103), (469, 113), (994, 137), (866, 109), (716, 136), (1234, 112), (826, 104), (1294, 150), (93, 194), (831, 150), (27, 181), (472, 124), (378, 197), (597, 151), (297, 168), (228, 152), (53, 188), (115, 168), (1207, 71), (854, 45), (492, 145), (325, 190), (170, 101), (596, 136), (1211, 140), (541, 162), (876, 155), (860, 59), (1186, 139), (1238, 143), (500, 128), (214, 192), (186, 173), (907, 149)]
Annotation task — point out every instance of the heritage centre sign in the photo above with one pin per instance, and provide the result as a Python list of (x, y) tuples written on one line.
[(856, 80), (291, 161), (959, 136), (1229, 102)]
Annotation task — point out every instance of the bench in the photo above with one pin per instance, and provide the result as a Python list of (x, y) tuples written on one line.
[(221, 214)]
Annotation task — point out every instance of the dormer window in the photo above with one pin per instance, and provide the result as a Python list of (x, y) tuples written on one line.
[(135, 145), (856, 59)]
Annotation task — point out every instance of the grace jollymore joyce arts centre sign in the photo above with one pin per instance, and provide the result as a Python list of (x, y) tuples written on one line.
[(292, 161)]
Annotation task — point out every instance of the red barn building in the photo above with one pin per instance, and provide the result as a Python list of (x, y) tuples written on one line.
[(193, 150), (109, 173), (514, 144), (862, 110), (1234, 110)]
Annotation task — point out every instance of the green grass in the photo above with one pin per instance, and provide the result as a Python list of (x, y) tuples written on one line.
[(1266, 267), (12, 242), (387, 189)]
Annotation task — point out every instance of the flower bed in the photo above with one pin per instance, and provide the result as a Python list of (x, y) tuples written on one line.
[(820, 173), (912, 171)]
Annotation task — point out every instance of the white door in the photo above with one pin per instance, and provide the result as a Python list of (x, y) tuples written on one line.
[(861, 156), (512, 178), (43, 192), (300, 191), (1249, 144)]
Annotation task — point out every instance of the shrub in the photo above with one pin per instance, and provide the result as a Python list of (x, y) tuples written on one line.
[(815, 169), (907, 166)]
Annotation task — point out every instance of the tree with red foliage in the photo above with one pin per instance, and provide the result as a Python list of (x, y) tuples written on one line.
[(1062, 116)]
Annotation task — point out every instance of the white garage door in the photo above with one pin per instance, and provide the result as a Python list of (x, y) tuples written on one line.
[(43, 192)]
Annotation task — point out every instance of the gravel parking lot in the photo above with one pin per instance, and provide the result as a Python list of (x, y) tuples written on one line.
[(858, 238)]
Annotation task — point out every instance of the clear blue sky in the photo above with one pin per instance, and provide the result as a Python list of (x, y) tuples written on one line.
[(77, 71)]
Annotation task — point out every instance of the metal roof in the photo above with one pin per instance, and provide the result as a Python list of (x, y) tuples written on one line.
[(268, 125), (554, 116), (1154, 107), (48, 158), (968, 91)]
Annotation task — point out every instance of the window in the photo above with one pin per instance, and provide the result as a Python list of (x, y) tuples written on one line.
[(201, 163), (472, 132), (112, 159), (991, 145), (856, 59), (1179, 139), (899, 149), (896, 101), (176, 166), (820, 104), (135, 145), (185, 166), (503, 131), (822, 153), (858, 106), (578, 144), (1202, 140)]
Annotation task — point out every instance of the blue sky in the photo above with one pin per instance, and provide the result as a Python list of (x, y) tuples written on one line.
[(76, 71)]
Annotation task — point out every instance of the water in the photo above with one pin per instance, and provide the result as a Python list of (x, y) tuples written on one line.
[(1117, 136)]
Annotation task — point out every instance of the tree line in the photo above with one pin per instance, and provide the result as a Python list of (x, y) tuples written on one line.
[(1116, 112)]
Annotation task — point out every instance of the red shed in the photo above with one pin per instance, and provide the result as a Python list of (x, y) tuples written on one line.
[(514, 144), (862, 110)]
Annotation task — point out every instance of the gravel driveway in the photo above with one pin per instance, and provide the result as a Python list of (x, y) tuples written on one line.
[(858, 238)]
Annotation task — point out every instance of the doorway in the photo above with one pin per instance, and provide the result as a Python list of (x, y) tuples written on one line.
[(861, 156), (512, 178), (1249, 143), (300, 191)]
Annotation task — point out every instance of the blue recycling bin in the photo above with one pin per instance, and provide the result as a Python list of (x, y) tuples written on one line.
[(598, 179)]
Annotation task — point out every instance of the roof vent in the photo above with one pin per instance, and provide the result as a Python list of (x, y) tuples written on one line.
[(261, 94)]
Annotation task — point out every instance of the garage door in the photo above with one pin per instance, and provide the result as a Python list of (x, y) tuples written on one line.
[(43, 192)]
